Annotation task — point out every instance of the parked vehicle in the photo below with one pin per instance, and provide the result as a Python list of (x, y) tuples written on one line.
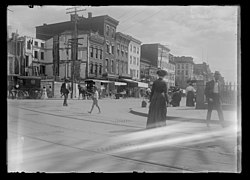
[(24, 87)]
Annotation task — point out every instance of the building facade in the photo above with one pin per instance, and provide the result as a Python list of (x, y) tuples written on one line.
[(121, 63), (134, 54), (184, 70), (202, 72), (158, 55), (104, 25)]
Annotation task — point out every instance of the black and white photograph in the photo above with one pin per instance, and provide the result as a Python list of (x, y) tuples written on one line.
[(124, 89)]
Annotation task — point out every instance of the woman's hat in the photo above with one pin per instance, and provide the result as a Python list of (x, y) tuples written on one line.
[(162, 72)]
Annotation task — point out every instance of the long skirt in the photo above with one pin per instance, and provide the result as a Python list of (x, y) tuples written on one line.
[(190, 99), (157, 114)]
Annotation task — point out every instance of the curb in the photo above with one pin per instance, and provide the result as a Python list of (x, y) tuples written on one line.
[(174, 118)]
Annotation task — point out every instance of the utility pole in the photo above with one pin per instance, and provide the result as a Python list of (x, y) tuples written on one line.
[(75, 46)]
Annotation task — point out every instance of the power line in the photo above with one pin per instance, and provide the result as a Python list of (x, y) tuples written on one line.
[(143, 20), (133, 16), (125, 13)]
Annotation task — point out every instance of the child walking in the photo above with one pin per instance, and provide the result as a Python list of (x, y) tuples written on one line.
[(95, 98)]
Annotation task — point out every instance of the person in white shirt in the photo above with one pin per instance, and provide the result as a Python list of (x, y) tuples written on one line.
[(212, 93), (95, 97)]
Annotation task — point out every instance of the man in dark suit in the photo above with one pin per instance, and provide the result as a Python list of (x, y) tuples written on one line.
[(212, 93)]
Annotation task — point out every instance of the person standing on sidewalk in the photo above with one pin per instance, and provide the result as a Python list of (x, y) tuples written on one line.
[(157, 114), (190, 95), (65, 91), (95, 98), (212, 93)]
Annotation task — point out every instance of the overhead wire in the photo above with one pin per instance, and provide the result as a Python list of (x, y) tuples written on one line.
[(143, 20)]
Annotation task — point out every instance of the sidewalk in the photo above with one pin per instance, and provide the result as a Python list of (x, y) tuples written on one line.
[(189, 114)]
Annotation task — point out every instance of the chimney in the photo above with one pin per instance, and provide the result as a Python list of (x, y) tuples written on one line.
[(89, 14)]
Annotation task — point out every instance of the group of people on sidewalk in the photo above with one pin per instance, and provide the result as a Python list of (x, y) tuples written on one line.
[(159, 100)]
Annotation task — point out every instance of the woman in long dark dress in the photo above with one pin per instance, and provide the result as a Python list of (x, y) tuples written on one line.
[(190, 95), (157, 114)]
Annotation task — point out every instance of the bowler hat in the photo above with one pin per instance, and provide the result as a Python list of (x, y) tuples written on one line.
[(162, 72)]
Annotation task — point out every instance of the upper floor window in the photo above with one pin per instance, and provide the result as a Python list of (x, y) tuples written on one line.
[(42, 55), (100, 69), (91, 52), (96, 53), (131, 47), (100, 54), (36, 54), (137, 50), (36, 43), (42, 45), (134, 49), (107, 30)]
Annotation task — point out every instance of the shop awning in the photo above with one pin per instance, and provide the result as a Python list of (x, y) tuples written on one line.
[(120, 83), (99, 80), (129, 80), (141, 84)]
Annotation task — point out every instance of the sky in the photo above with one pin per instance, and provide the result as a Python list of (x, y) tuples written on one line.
[(206, 33)]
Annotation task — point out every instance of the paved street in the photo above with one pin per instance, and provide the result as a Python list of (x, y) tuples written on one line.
[(44, 136)]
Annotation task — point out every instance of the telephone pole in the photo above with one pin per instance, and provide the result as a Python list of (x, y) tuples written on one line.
[(74, 45)]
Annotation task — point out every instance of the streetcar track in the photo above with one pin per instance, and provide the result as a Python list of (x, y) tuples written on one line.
[(183, 147), (116, 156)]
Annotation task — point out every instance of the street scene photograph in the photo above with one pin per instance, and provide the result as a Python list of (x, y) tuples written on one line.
[(123, 89)]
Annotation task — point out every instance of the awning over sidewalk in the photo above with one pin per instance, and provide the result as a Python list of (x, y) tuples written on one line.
[(120, 83), (141, 84), (99, 80), (131, 81)]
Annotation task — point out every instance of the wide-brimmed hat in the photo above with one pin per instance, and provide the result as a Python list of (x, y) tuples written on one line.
[(162, 72)]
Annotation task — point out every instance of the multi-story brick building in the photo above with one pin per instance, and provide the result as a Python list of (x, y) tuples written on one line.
[(121, 64), (202, 72), (104, 25), (134, 54), (159, 57), (184, 70)]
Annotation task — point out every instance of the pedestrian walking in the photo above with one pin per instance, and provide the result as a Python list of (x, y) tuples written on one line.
[(157, 114), (65, 91), (95, 97), (212, 93), (190, 92)]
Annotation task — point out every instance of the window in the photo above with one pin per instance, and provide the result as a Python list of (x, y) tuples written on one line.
[(91, 52), (182, 66), (26, 61), (107, 30), (186, 72), (100, 69), (91, 68), (134, 49), (36, 54), (42, 55), (130, 47), (113, 49), (107, 48), (42, 45), (131, 72), (106, 65), (130, 59), (100, 54), (36, 43), (111, 65), (96, 53), (96, 69), (42, 69), (134, 60), (117, 66), (137, 50)]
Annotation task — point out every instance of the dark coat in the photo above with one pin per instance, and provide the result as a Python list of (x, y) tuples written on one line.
[(209, 89), (158, 104), (64, 90)]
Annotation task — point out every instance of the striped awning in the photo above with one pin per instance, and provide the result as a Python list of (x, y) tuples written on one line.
[(141, 84)]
